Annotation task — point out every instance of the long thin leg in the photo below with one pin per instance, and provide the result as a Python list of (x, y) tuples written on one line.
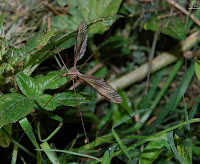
[(86, 137)]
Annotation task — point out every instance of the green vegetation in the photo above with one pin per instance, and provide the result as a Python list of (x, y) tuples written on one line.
[(147, 50)]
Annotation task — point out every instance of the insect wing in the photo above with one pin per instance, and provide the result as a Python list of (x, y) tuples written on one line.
[(101, 87), (81, 42)]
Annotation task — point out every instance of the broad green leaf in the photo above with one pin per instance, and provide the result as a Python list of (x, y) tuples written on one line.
[(4, 139), (27, 85), (197, 68), (93, 9), (69, 99), (174, 27), (50, 81), (88, 10), (47, 102), (14, 106)]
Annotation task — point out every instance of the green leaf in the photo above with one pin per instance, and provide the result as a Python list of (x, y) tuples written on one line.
[(197, 68), (93, 9), (27, 85), (47, 102), (175, 28), (14, 106), (4, 139), (88, 10), (50, 81), (69, 99)]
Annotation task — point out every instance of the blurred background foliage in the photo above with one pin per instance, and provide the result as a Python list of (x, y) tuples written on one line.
[(144, 48)]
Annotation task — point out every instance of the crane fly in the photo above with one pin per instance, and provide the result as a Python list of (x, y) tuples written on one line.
[(98, 84)]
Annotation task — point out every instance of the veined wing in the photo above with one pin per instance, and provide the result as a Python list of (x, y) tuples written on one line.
[(81, 42), (101, 87)]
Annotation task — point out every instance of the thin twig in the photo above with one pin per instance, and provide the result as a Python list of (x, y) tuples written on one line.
[(172, 2)]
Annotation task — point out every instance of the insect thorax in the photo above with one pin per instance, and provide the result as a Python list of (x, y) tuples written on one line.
[(73, 73)]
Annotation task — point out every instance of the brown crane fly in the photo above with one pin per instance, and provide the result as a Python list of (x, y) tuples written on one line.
[(98, 84)]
